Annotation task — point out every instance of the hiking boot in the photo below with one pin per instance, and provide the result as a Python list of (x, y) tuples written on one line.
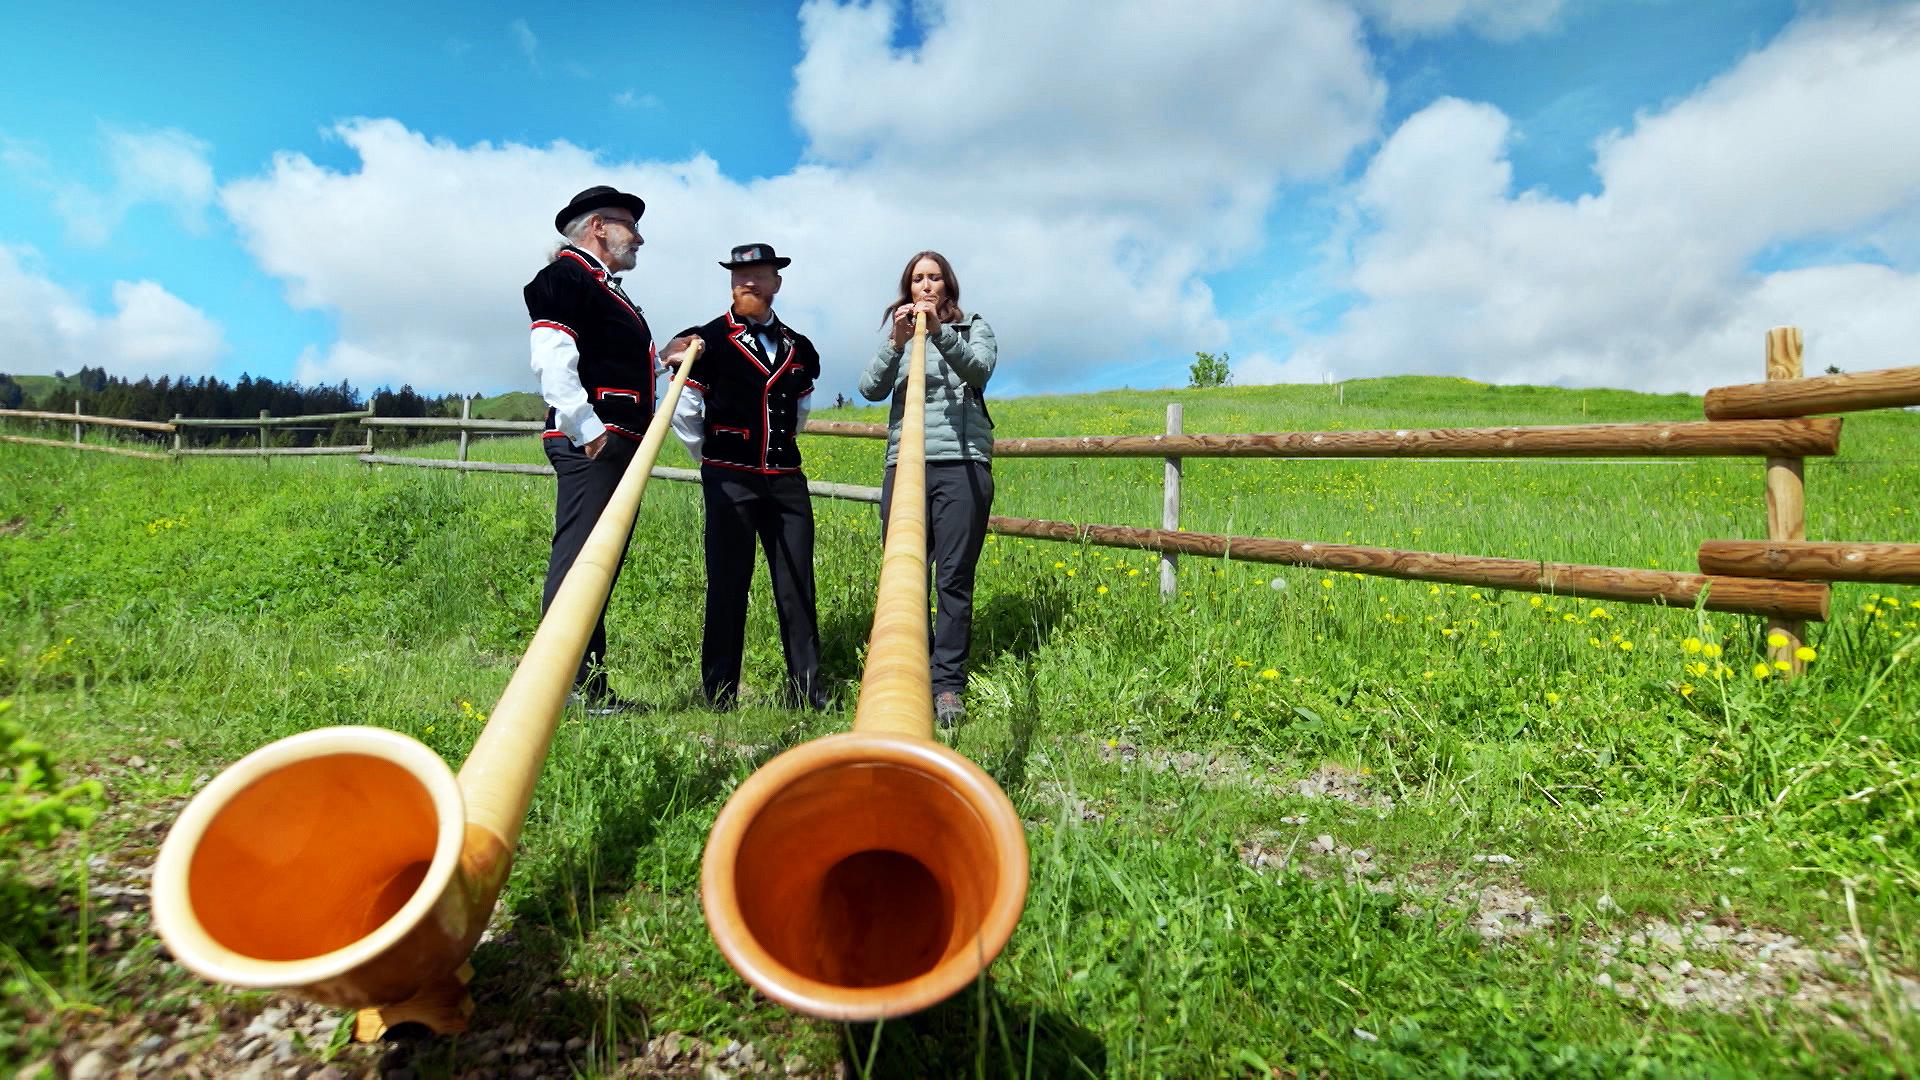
[(947, 709)]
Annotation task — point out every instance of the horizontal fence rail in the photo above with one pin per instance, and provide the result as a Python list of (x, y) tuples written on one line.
[(1851, 392), (76, 418), (1758, 438), (825, 489), (272, 451), (1813, 560), (1737, 595), (268, 421), (64, 445), (454, 422)]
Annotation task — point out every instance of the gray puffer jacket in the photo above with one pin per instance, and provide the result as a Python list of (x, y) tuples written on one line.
[(960, 359)]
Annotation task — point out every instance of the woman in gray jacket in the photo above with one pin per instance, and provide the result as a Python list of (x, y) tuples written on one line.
[(960, 358)]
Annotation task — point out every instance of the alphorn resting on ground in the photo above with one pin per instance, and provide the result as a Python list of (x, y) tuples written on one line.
[(349, 865)]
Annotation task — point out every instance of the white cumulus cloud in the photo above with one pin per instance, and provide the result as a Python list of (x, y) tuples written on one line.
[(45, 327), (1078, 172), (1669, 276)]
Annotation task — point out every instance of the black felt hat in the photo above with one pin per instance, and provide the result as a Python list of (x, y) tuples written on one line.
[(754, 255), (598, 198)]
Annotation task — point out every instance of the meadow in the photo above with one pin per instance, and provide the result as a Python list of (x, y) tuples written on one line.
[(1283, 823)]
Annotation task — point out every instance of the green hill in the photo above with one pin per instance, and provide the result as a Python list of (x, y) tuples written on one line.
[(513, 405), (39, 388)]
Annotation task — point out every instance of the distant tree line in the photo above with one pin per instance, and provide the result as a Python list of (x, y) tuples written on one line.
[(206, 397)]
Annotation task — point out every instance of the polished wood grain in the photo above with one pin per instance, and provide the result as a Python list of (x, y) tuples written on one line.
[(1813, 560)]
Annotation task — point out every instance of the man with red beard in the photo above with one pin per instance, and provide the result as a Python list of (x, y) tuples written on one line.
[(738, 416), (594, 355)]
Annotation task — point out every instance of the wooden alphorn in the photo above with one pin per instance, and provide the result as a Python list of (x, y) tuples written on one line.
[(873, 873), (349, 865)]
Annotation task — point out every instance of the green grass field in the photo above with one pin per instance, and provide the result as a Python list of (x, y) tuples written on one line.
[(1289, 823)]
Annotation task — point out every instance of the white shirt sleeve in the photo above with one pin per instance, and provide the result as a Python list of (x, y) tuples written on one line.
[(805, 406), (556, 360), (689, 420)]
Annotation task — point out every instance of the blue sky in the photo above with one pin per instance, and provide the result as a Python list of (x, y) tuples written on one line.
[(1314, 185)]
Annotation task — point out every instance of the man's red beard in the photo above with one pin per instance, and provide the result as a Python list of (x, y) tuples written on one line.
[(751, 305)]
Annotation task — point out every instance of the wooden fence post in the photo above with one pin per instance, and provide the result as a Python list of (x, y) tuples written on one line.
[(76, 423), (466, 404), (263, 431), (1786, 493), (1170, 505), (179, 433)]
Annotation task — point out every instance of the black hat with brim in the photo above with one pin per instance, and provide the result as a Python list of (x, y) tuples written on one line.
[(598, 198), (756, 255)]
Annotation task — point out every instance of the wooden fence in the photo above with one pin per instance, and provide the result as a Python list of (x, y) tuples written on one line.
[(1783, 578)]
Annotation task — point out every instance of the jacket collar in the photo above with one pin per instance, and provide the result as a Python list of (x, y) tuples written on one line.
[(585, 258)]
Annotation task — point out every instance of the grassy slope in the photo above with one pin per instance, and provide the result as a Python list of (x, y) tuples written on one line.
[(39, 387), (215, 605)]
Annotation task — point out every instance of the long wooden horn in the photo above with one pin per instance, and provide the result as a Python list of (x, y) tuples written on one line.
[(873, 873), (348, 865)]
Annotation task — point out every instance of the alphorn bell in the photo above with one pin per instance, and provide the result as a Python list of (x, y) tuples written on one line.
[(873, 873), (348, 865)]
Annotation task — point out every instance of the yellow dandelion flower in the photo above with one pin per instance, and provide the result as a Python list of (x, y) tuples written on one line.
[(1059, 566), (1101, 591), (1626, 646), (1776, 640), (1535, 601), (1326, 583), (1569, 617), (1686, 689), (1761, 671), (1783, 665), (1069, 573), (1598, 613), (1691, 645), (1709, 650), (1805, 654), (1270, 673), (1696, 669), (1553, 698)]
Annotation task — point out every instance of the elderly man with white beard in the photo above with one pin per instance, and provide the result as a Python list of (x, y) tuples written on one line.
[(595, 358)]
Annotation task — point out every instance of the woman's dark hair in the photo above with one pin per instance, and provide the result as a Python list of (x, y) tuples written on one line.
[(949, 310)]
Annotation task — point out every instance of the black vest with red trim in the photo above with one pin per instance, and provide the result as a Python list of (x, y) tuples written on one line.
[(571, 295), (752, 401)]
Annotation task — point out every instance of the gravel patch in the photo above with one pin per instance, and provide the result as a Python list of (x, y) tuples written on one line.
[(1700, 962), (1225, 767)]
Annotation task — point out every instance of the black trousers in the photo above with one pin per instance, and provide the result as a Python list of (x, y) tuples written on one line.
[(959, 499), (775, 510), (585, 485)]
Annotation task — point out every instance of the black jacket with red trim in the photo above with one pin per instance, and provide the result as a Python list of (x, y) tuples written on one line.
[(752, 403), (571, 294)]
